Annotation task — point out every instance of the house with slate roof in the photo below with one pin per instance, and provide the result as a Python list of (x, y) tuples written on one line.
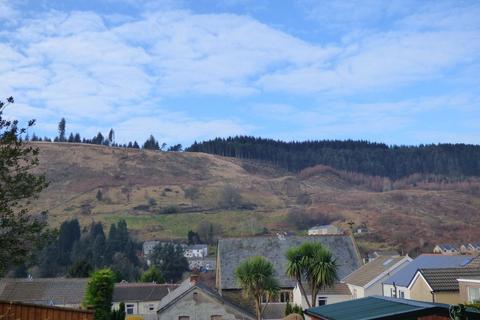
[(473, 248), (232, 251), (446, 248), (60, 292), (368, 279), (194, 300), (384, 308), (140, 298), (440, 285), (397, 284)]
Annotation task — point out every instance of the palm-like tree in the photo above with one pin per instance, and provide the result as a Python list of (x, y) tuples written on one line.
[(256, 277), (314, 264)]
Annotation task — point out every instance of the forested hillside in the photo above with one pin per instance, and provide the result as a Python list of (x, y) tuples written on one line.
[(165, 195), (365, 157)]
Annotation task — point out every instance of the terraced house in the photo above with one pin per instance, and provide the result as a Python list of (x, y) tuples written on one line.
[(232, 251)]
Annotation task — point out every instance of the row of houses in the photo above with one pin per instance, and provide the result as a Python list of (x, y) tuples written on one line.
[(448, 248), (387, 279), (197, 255), (190, 251)]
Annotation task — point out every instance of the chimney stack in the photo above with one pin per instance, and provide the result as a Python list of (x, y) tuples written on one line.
[(193, 278)]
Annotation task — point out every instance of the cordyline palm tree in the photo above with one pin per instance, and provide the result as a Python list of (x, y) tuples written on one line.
[(256, 278), (313, 265)]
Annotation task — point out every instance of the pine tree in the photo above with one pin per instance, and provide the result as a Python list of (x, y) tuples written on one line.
[(61, 130)]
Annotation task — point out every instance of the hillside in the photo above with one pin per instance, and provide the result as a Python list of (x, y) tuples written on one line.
[(378, 159), (147, 188)]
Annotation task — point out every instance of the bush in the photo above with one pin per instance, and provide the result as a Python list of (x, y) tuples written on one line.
[(230, 198), (169, 210), (302, 220)]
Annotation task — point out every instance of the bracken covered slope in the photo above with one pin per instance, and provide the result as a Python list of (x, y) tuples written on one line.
[(147, 188)]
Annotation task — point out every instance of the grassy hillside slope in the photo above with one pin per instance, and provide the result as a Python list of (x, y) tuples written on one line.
[(147, 188)]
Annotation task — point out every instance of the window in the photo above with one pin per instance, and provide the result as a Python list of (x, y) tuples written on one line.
[(401, 294), (184, 318), (285, 296), (216, 318), (129, 308), (151, 307), (473, 294), (322, 301), (393, 292), (282, 297)]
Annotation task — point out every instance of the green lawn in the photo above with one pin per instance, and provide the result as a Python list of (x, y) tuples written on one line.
[(234, 223)]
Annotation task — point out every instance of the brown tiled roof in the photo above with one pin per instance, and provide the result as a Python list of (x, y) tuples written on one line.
[(57, 291), (446, 279), (124, 292), (371, 270)]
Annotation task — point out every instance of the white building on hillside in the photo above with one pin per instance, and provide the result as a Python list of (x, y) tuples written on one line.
[(196, 251), (323, 230)]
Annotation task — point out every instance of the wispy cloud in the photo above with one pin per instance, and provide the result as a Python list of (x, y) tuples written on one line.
[(100, 69)]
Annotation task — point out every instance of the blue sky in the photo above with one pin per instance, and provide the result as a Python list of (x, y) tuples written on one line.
[(400, 72)]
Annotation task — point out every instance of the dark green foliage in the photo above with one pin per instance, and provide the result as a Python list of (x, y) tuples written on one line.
[(293, 309), (288, 309), (118, 314), (193, 238), (111, 136), (209, 232), (48, 261), (365, 157), (175, 148), (19, 230), (152, 275), (80, 255), (61, 130), (169, 210), (170, 261), (80, 269), (313, 265), (99, 195), (256, 277), (99, 293), (68, 235), (151, 144)]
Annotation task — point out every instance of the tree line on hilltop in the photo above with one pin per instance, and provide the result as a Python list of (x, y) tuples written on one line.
[(377, 159), (369, 158), (106, 140)]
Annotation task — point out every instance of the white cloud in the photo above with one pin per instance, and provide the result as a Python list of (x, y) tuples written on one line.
[(102, 69), (174, 128), (7, 11)]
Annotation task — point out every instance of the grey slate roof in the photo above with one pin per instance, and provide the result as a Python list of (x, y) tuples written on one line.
[(56, 291), (446, 279), (186, 286), (232, 251), (128, 292), (404, 276)]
